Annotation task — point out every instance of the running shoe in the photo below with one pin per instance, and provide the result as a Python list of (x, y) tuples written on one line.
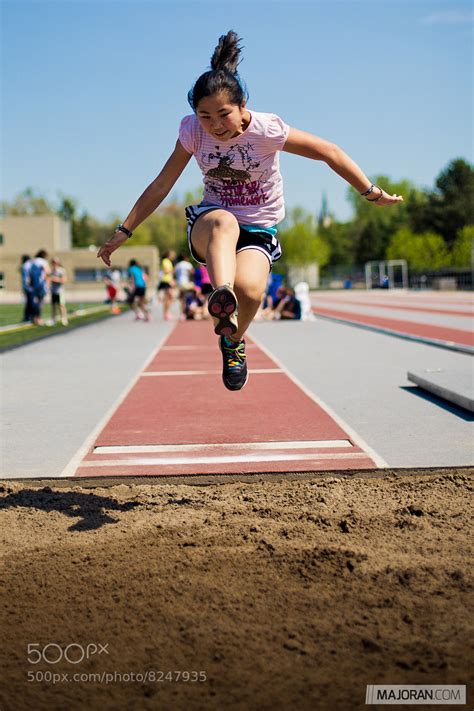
[(234, 363), (222, 306)]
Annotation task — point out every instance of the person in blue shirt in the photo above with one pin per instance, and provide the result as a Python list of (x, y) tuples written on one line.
[(138, 279), (26, 288)]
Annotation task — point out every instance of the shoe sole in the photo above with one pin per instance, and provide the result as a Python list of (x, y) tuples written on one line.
[(234, 390), (222, 306), (223, 380)]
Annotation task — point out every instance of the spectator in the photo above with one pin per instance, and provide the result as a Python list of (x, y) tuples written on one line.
[(287, 307), (202, 279), (194, 304), (57, 279), (38, 275), (112, 280), (204, 285), (27, 290), (266, 306), (166, 283), (302, 294), (138, 280), (184, 273), (271, 304), (291, 307)]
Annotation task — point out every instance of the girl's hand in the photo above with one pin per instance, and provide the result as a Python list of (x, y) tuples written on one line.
[(386, 199), (110, 246)]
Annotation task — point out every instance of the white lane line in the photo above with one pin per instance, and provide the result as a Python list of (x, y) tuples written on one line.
[(381, 463), (70, 468), (198, 348), (446, 345), (249, 446), (158, 373), (187, 348), (166, 461)]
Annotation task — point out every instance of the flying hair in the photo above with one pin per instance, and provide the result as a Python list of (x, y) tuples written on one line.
[(223, 76), (226, 54)]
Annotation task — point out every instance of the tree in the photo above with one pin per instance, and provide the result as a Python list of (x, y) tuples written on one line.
[(81, 227), (82, 232), (422, 252), (27, 203), (67, 208), (450, 207), (300, 240), (463, 247), (372, 227), (341, 247)]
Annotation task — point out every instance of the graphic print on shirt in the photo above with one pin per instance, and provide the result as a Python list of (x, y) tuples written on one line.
[(232, 185)]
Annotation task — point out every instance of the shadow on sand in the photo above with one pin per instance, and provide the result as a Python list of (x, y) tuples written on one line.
[(92, 509)]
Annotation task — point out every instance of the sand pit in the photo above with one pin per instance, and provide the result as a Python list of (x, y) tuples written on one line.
[(284, 594)]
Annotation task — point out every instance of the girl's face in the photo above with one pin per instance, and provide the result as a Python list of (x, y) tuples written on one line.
[(221, 119)]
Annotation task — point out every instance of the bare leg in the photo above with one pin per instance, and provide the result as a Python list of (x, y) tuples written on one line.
[(63, 310), (143, 307), (214, 239), (167, 302), (250, 285)]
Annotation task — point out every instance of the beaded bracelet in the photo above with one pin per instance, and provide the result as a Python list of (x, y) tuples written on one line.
[(377, 198), (367, 192)]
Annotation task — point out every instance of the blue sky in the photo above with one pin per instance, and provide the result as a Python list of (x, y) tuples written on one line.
[(93, 92)]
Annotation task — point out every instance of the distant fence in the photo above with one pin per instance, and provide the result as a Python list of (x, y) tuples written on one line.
[(353, 277), (442, 279)]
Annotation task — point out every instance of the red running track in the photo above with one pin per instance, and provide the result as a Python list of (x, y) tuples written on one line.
[(405, 307), (178, 419), (439, 335)]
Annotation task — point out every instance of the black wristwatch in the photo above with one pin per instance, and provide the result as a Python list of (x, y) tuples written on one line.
[(121, 228)]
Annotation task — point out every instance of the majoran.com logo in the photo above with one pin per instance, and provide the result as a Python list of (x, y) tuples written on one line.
[(435, 694)]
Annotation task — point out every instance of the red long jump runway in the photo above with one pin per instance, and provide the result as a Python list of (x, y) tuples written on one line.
[(178, 419), (352, 309)]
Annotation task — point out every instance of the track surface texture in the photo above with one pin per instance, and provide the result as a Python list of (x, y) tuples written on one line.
[(157, 388)]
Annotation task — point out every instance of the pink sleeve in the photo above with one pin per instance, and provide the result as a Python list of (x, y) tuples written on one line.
[(276, 132), (187, 133)]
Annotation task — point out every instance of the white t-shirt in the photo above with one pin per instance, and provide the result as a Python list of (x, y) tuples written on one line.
[(241, 174), (183, 272)]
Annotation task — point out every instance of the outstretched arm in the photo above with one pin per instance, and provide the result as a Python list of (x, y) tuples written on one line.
[(309, 146), (149, 200)]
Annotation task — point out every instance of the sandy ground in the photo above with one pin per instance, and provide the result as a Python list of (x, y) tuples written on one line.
[(283, 594)]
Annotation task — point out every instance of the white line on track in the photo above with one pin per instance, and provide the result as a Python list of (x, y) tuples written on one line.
[(446, 345), (163, 461), (381, 463), (70, 468), (197, 348), (158, 373), (177, 448)]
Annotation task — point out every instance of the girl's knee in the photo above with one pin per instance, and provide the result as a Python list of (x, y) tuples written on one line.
[(222, 221), (251, 293)]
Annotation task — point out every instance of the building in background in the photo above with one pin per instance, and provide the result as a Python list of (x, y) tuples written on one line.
[(27, 234)]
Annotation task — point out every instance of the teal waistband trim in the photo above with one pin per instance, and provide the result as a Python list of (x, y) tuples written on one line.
[(257, 228)]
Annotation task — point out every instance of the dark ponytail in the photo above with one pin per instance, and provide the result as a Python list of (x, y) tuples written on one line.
[(223, 75)]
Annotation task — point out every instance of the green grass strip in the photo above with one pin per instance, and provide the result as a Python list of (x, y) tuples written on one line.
[(23, 335)]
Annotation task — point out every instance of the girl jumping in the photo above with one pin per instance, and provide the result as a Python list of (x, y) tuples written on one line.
[(233, 231)]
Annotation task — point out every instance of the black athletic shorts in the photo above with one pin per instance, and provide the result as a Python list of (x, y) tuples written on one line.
[(264, 242)]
